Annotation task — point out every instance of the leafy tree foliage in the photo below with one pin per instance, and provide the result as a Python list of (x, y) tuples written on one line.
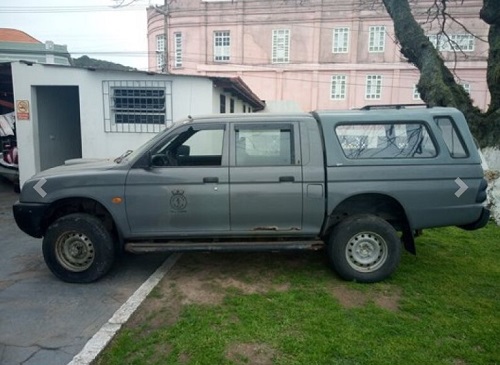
[(85, 61)]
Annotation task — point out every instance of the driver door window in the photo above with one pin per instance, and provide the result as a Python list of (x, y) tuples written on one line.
[(192, 147)]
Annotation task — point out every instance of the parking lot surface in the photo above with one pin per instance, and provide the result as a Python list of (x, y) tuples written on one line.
[(42, 319)]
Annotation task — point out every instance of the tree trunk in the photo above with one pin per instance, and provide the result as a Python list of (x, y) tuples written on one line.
[(437, 85), (490, 13)]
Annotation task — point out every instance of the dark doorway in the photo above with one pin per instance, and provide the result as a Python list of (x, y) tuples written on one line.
[(59, 132)]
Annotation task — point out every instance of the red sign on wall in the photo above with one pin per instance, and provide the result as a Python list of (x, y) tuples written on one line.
[(22, 110)]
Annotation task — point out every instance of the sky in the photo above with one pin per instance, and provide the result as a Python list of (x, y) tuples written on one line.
[(86, 27)]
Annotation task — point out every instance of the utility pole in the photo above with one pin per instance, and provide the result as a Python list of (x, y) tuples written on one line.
[(165, 12)]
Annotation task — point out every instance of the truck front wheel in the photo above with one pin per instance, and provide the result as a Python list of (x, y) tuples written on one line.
[(77, 248), (364, 248)]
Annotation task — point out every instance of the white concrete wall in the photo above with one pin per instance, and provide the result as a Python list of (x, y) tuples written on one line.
[(238, 103), (494, 199), (492, 158), (190, 96)]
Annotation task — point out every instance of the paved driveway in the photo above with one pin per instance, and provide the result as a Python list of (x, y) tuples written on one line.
[(42, 319)]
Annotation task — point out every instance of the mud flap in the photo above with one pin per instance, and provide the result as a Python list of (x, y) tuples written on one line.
[(409, 239)]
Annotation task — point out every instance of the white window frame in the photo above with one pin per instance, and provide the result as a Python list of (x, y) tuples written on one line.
[(160, 43), (338, 88), (281, 46), (340, 40), (160, 52), (222, 46), (463, 42), (373, 90), (416, 94), (376, 39), (456, 42), (466, 87), (177, 49), (160, 61)]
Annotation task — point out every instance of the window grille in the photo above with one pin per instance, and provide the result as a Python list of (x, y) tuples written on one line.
[(137, 106)]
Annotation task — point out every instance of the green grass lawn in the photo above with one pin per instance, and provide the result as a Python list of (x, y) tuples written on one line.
[(441, 307)]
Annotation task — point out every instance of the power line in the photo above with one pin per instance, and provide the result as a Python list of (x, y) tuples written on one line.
[(388, 75), (67, 9)]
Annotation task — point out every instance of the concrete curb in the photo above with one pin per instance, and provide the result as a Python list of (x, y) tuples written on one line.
[(106, 333)]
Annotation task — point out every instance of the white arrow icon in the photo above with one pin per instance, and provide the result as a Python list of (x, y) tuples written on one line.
[(462, 187), (38, 187)]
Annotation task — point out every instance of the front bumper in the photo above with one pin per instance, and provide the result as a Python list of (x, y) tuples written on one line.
[(480, 223), (30, 217)]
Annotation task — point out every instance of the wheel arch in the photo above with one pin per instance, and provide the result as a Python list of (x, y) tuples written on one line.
[(381, 205), (65, 206)]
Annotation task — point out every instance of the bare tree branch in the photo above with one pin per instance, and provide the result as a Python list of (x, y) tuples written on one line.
[(122, 3)]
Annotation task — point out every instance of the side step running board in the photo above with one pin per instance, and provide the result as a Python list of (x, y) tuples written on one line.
[(181, 246)]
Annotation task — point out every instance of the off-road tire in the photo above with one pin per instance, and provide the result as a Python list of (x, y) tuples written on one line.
[(77, 248), (364, 248)]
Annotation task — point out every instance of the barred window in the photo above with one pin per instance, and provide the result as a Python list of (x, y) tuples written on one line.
[(137, 106)]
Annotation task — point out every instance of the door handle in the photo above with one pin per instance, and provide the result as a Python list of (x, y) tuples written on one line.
[(210, 179), (287, 179)]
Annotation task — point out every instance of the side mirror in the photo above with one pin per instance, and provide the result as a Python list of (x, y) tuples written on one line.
[(183, 150), (145, 161)]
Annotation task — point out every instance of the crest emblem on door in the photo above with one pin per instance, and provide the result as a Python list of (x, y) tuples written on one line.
[(178, 201)]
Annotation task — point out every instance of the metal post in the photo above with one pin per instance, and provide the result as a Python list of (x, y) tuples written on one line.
[(167, 68), (165, 12)]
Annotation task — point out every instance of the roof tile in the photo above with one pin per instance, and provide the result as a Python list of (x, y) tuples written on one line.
[(16, 36)]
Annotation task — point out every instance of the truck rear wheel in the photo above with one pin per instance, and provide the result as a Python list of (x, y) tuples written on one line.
[(364, 248), (77, 248)]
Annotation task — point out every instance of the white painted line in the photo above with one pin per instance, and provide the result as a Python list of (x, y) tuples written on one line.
[(106, 333)]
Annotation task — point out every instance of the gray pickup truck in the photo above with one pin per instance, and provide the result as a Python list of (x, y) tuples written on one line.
[(359, 183)]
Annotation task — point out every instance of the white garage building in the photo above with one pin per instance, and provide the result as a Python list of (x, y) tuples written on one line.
[(66, 112)]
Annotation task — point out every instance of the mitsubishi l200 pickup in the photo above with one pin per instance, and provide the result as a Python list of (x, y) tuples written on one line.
[(359, 183)]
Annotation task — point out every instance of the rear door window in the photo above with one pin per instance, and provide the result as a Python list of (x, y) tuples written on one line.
[(264, 145)]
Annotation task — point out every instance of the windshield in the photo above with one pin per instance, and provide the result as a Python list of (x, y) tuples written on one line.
[(130, 155)]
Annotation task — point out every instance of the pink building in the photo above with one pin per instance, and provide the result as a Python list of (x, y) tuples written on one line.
[(321, 54)]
